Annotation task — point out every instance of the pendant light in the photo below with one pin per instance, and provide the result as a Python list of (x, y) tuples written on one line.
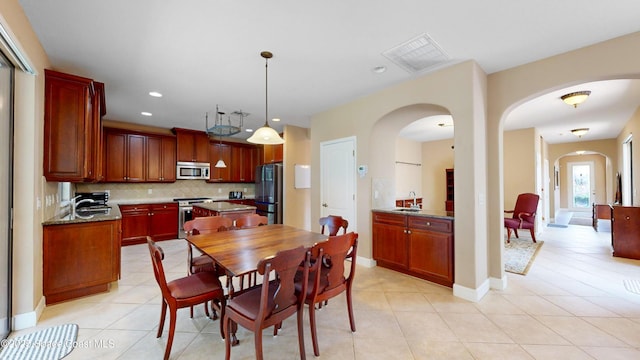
[(266, 135)]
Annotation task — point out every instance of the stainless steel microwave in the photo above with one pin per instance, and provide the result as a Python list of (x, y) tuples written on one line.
[(193, 171)]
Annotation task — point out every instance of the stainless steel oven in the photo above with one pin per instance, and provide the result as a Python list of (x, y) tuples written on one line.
[(185, 212)]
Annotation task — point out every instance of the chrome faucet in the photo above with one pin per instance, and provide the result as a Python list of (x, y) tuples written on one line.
[(73, 204), (415, 200)]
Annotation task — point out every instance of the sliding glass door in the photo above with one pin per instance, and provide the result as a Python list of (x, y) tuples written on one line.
[(6, 176)]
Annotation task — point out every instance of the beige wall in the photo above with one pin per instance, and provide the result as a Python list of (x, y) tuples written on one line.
[(28, 186), (519, 164), (438, 156), (408, 168), (297, 202)]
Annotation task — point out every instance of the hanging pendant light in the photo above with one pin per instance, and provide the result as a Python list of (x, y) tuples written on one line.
[(266, 135)]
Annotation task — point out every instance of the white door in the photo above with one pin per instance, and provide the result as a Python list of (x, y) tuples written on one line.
[(338, 179), (581, 183)]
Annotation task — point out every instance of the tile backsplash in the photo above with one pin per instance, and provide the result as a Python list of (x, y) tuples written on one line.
[(128, 192)]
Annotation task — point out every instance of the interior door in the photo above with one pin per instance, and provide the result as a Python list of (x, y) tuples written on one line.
[(338, 177), (581, 182), (6, 189)]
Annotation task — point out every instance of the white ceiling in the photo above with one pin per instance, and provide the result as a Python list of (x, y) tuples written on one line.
[(199, 53)]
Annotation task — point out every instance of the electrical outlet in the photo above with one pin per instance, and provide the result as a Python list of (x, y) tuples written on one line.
[(219, 190), (245, 190), (108, 192), (150, 191)]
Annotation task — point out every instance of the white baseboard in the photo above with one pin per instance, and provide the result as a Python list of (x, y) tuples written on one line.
[(30, 319), (469, 294), (366, 262), (498, 283)]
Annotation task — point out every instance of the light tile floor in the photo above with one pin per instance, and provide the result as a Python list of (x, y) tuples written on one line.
[(571, 305)]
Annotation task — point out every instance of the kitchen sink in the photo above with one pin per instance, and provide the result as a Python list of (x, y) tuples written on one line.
[(408, 210), (87, 211)]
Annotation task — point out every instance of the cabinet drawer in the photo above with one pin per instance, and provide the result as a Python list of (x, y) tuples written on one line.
[(431, 224), (164, 206), (133, 208), (391, 219)]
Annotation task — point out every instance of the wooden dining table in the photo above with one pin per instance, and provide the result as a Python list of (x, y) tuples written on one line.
[(239, 251)]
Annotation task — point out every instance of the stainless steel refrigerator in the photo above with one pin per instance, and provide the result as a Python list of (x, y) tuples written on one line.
[(269, 192)]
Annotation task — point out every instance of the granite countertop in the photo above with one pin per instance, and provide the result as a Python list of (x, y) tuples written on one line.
[(110, 214), (222, 206), (168, 200), (441, 214)]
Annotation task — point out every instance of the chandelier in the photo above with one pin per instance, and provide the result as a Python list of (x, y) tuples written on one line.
[(228, 128)]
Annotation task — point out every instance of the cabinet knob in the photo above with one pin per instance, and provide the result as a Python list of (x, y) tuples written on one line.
[(428, 223), (408, 231)]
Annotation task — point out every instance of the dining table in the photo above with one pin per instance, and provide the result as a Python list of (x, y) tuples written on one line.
[(239, 251)]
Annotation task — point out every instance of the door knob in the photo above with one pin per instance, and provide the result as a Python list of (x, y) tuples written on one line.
[(325, 205)]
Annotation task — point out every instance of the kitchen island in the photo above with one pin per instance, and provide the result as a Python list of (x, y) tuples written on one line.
[(418, 243), (81, 253), (222, 208)]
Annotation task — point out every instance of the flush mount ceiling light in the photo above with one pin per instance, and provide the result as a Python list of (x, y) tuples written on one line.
[(266, 135), (155, 94), (575, 98), (146, 113), (379, 69), (580, 132)]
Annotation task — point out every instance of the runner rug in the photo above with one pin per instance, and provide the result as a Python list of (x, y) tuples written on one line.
[(52, 343), (519, 255)]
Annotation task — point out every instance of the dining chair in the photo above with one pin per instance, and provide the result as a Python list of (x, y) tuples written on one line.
[(202, 262), (333, 223), (271, 302), (183, 292), (327, 278), (524, 215), (251, 220)]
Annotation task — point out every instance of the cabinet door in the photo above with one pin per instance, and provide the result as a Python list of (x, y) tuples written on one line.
[(136, 158), (201, 147), (249, 163), (235, 166), (430, 254), (272, 153), (193, 146), (115, 157), (390, 245), (68, 125), (168, 159), (164, 221), (135, 223), (220, 151), (154, 158)]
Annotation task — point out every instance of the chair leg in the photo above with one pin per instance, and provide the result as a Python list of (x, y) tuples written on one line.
[(191, 311), (227, 339), (223, 304), (257, 335), (508, 235), (277, 327), (163, 313), (533, 235), (352, 320), (515, 231), (300, 314), (172, 329), (314, 334)]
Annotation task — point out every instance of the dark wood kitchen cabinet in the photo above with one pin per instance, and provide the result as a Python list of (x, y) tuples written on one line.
[(625, 231), (220, 151), (244, 160), (72, 122), (161, 159), (448, 204), (80, 259), (160, 221), (125, 156), (270, 154), (417, 245), (193, 145)]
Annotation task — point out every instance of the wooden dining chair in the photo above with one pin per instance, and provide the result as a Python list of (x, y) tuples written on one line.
[(251, 220), (183, 292), (273, 301), (333, 223), (327, 277)]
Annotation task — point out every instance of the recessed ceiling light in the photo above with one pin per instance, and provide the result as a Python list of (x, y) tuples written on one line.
[(275, 119), (379, 69), (155, 94), (145, 113)]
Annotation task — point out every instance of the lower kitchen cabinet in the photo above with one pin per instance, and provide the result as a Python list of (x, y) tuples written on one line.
[(417, 245), (160, 221), (80, 259)]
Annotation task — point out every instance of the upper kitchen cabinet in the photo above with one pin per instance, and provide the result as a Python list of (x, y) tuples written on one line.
[(193, 146), (220, 151), (244, 160), (270, 154), (73, 108), (125, 156), (161, 154)]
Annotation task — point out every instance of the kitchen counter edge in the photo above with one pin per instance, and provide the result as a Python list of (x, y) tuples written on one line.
[(65, 219), (440, 214)]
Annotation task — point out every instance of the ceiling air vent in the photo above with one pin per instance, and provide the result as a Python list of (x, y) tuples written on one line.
[(417, 54)]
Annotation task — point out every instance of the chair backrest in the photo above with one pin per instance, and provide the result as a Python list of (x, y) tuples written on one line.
[(333, 223), (331, 255), (207, 224), (251, 220), (157, 255), (526, 203), (285, 265)]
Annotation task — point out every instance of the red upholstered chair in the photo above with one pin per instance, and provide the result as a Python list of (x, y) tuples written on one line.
[(183, 292), (333, 223), (327, 277), (524, 215), (271, 302)]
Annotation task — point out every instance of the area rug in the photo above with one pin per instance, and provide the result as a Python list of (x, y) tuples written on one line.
[(52, 343), (519, 255)]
